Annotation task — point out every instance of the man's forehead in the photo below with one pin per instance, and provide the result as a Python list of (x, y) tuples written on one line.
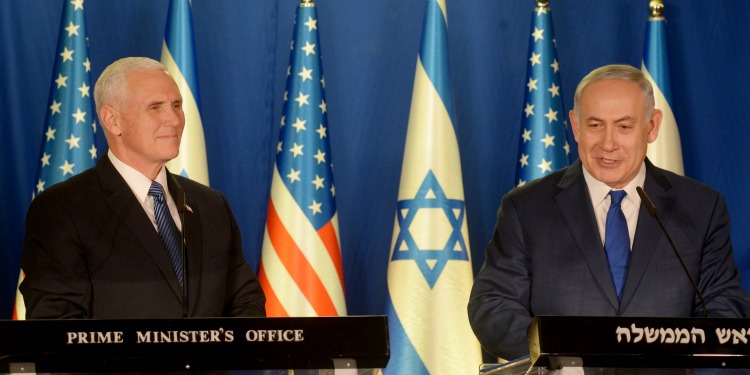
[(152, 79)]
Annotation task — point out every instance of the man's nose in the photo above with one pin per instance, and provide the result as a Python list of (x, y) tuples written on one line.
[(610, 138)]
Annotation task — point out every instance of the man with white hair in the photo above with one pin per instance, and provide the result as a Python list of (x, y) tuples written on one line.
[(127, 238)]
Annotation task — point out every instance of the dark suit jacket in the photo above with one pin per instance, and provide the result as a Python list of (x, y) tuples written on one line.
[(90, 251), (546, 258)]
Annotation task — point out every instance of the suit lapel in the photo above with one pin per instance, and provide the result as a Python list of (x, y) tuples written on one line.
[(129, 211), (574, 202), (193, 235), (648, 234)]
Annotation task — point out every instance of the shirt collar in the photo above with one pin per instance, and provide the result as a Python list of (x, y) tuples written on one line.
[(599, 191), (137, 181)]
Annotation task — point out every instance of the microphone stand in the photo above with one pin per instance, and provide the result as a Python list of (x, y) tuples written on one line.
[(181, 211), (181, 204), (655, 214)]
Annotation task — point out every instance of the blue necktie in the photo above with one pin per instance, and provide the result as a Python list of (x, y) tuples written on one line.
[(170, 235), (617, 241)]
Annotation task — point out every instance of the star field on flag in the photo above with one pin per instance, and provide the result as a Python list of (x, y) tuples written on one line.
[(543, 144)]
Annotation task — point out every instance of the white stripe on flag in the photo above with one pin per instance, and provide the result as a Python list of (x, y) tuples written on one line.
[(192, 156), (666, 151), (429, 120), (20, 308), (308, 241), (290, 296)]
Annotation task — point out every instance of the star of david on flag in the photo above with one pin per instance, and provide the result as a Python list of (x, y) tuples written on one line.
[(431, 261), (429, 269), (68, 144), (543, 145)]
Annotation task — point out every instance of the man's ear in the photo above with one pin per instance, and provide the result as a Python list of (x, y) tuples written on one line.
[(110, 119), (654, 124), (574, 123)]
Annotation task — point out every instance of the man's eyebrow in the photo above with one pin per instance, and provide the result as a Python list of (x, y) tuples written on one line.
[(155, 102), (621, 119)]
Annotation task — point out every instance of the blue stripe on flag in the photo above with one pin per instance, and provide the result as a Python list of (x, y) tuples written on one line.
[(434, 54), (655, 57), (181, 43), (405, 360)]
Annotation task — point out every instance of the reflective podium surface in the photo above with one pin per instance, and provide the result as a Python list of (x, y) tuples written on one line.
[(326, 345), (632, 345)]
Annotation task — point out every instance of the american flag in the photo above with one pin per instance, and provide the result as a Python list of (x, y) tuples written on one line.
[(543, 146), (178, 55), (301, 271), (666, 151), (429, 268), (68, 146)]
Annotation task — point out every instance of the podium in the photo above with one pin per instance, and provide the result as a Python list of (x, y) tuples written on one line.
[(194, 345), (633, 345)]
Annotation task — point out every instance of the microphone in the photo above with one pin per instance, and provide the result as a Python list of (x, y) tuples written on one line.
[(181, 208), (655, 214)]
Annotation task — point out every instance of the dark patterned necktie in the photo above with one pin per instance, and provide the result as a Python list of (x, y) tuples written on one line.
[(170, 235), (617, 241)]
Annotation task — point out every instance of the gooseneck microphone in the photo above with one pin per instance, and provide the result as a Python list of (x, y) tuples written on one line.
[(181, 208), (655, 214)]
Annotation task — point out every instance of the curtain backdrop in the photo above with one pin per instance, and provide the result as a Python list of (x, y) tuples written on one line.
[(369, 50)]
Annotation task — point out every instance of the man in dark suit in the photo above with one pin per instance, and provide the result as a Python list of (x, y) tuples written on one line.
[(549, 254), (98, 245)]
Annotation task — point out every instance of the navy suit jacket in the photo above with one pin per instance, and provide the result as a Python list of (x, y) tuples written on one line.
[(546, 258), (90, 251)]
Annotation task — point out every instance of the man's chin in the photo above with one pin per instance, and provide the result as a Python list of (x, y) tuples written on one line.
[(609, 176), (170, 156)]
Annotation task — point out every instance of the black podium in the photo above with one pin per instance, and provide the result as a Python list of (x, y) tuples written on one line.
[(210, 344), (634, 345)]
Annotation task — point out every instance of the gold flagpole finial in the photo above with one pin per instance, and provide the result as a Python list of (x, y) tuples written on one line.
[(306, 3), (656, 8), (542, 3)]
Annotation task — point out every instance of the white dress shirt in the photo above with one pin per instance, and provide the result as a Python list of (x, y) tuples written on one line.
[(140, 184)]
